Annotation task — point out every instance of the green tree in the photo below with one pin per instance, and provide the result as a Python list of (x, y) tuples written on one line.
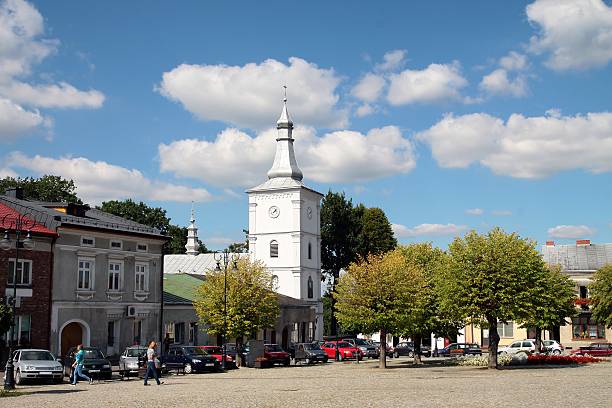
[(46, 188), (600, 292), (338, 240), (493, 280), (380, 294), (252, 303), (375, 235)]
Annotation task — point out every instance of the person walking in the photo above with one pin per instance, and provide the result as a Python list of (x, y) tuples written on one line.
[(151, 364), (77, 366)]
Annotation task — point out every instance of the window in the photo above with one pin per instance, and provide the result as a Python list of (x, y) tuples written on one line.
[(21, 335), (142, 247), (137, 331), (116, 244), (111, 334), (23, 274), (193, 333), (309, 250), (310, 288), (311, 331), (275, 282), (505, 329), (273, 249), (583, 292), (141, 279), (114, 276), (88, 241), (85, 274), (170, 330), (179, 332), (516, 344), (584, 327)]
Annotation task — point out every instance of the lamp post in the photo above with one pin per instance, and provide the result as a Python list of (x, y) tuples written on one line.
[(223, 260), (19, 223)]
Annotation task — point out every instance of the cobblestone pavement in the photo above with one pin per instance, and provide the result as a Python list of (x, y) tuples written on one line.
[(342, 385)]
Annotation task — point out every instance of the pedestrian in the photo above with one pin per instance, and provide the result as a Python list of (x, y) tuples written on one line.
[(77, 366), (166, 343), (151, 364)]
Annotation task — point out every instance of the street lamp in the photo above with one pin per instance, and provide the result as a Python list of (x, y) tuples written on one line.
[(223, 260), (20, 224)]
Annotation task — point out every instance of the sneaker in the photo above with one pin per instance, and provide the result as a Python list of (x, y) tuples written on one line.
[(91, 381), (73, 385), (147, 384), (160, 383)]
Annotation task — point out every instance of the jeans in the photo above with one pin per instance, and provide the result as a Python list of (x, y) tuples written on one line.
[(78, 373), (151, 369)]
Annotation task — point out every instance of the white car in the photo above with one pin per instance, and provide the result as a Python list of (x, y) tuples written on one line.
[(36, 364), (553, 346), (525, 346)]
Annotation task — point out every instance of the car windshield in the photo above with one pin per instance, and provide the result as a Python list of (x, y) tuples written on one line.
[(92, 353), (361, 342), (548, 342), (273, 347), (214, 350), (136, 352), (194, 350), (344, 344), (37, 355), (312, 346)]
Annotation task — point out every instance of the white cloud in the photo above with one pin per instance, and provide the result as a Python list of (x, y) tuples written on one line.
[(474, 211), (392, 60), (236, 159), (60, 95), (15, 120), (401, 231), (99, 181), (577, 34), (364, 110), (436, 83), (523, 147), (250, 95), (502, 213), (497, 82), (369, 88), (514, 61), (571, 231)]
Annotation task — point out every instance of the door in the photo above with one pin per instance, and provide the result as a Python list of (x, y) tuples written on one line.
[(72, 336), (285, 338)]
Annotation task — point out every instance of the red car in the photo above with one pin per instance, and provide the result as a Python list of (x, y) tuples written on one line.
[(345, 350), (217, 352), (595, 350), (274, 354)]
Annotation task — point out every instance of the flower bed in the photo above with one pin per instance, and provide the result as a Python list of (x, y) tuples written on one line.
[(482, 361), (539, 359)]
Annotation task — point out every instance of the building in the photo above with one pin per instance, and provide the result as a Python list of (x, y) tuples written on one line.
[(106, 279)]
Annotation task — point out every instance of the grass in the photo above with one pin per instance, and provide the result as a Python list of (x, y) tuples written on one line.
[(10, 393)]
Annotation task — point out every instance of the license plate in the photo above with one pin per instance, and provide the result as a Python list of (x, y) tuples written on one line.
[(46, 372), (94, 371), (210, 364)]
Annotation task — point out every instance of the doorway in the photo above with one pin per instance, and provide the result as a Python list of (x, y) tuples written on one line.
[(72, 336)]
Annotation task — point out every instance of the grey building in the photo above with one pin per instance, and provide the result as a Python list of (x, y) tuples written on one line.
[(106, 280)]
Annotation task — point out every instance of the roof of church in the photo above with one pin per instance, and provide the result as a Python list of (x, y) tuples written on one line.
[(578, 257), (281, 183), (193, 264)]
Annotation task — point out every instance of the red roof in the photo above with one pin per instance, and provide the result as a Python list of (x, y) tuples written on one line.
[(8, 217)]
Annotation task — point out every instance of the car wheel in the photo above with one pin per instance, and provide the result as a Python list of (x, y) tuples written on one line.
[(18, 379), (188, 368), (396, 354), (411, 354), (556, 352), (286, 362), (308, 361)]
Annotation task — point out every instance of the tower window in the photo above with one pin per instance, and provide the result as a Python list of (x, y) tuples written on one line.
[(273, 249), (309, 250), (310, 288)]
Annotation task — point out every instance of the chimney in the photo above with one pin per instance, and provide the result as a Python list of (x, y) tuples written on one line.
[(583, 242), (15, 192), (550, 243)]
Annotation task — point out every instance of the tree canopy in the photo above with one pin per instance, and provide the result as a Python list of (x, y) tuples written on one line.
[(601, 295), (45, 188), (374, 233)]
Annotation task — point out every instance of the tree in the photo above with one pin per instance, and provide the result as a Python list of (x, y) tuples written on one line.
[(375, 235), (6, 317), (379, 294), (46, 188), (338, 240), (600, 292), (252, 303), (493, 279), (178, 241)]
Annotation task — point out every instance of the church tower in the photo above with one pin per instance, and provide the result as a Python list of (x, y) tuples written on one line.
[(192, 245), (285, 227)]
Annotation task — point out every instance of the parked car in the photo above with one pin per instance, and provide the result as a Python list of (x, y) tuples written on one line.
[(132, 361), (345, 350), (460, 349), (308, 353), (406, 348), (95, 364), (274, 354), (35, 364), (553, 346), (367, 349), (217, 352), (388, 350), (601, 349), (527, 346), (189, 358)]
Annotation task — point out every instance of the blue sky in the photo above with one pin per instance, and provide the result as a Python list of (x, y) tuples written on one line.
[(447, 115)]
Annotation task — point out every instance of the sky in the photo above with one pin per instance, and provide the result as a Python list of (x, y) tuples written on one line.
[(450, 116)]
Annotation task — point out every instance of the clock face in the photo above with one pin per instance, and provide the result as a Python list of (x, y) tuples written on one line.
[(309, 212), (274, 211)]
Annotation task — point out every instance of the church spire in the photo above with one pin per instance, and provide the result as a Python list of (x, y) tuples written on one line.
[(285, 164), (192, 236)]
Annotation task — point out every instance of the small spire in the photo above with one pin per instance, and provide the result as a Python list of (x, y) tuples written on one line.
[(284, 122), (192, 245), (192, 220)]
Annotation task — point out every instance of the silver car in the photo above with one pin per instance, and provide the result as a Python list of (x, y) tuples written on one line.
[(36, 364), (132, 359)]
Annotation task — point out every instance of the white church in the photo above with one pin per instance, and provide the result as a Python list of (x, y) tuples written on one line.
[(284, 233)]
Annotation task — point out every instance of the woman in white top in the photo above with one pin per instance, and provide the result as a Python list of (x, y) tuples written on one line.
[(151, 369)]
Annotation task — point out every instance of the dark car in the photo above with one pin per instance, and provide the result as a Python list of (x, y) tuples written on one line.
[(406, 348), (95, 364), (189, 358), (595, 349), (460, 349), (308, 353), (367, 349), (274, 354)]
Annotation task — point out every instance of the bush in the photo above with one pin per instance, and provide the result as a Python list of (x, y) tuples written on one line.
[(481, 361)]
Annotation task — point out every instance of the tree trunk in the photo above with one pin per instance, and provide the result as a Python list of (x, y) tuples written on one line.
[(538, 339), (382, 359), (334, 322), (416, 340), (493, 341)]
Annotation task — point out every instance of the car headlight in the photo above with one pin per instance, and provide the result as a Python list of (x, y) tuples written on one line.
[(58, 367), (195, 360), (30, 368), (106, 366)]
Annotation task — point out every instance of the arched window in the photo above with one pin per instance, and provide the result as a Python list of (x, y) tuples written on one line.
[(273, 249), (275, 281), (310, 288), (309, 250)]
